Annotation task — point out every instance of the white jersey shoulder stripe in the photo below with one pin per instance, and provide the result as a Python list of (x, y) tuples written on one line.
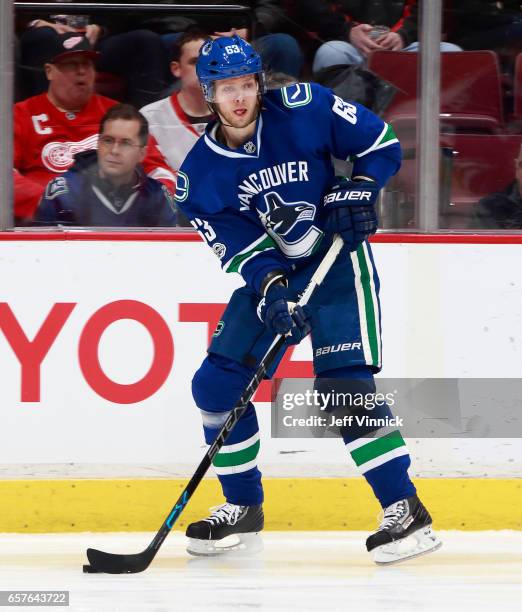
[(210, 141), (385, 138)]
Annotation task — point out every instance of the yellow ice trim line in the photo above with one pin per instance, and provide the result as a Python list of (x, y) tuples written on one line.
[(39, 506)]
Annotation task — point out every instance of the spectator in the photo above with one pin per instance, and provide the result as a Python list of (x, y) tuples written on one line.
[(279, 51), (108, 187), (176, 122), (49, 129), (503, 210), (486, 24), (348, 29), (126, 50)]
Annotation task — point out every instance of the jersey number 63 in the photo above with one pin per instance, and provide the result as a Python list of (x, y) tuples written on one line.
[(345, 110), (204, 228)]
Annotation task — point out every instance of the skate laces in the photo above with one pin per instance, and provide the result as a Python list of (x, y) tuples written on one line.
[(228, 513), (392, 514)]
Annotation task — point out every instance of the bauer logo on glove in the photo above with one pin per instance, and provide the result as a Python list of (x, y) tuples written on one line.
[(342, 194), (351, 210)]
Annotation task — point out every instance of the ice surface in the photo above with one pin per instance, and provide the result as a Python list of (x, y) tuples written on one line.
[(297, 571)]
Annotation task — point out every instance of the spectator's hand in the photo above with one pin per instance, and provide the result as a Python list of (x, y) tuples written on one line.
[(59, 28), (241, 32), (359, 37), (92, 33), (391, 41)]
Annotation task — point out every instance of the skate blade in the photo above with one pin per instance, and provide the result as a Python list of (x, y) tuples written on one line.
[(419, 543), (238, 544)]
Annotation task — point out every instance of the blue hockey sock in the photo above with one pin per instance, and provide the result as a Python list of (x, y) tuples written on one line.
[(236, 462), (382, 459), (390, 481), (216, 387)]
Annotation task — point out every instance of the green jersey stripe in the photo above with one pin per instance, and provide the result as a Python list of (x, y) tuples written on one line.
[(401, 451), (377, 447), (236, 263), (385, 138), (369, 306), (361, 307), (235, 469), (233, 448), (376, 307), (388, 135), (239, 457)]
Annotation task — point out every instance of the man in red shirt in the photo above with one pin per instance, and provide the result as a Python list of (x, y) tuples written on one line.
[(49, 129)]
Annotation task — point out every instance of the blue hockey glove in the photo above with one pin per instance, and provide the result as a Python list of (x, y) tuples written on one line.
[(281, 315), (351, 211)]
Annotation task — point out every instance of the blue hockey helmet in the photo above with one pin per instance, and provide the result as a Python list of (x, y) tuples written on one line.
[(227, 58)]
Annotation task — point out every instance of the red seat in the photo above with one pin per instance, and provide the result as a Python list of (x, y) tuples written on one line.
[(472, 166), (518, 88), (470, 92), (110, 85), (481, 164)]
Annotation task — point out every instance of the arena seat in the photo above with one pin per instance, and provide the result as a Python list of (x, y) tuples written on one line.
[(481, 164), (517, 91), (110, 85), (470, 90), (472, 166)]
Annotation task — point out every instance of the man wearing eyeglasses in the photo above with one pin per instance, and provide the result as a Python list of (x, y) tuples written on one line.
[(501, 210), (49, 129), (108, 187)]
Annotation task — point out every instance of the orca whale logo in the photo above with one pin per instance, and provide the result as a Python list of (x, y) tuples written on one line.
[(281, 217), (290, 224)]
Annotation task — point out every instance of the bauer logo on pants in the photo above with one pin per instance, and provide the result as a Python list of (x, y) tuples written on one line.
[(336, 348)]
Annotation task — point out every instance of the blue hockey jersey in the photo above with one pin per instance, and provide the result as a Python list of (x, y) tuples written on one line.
[(259, 207)]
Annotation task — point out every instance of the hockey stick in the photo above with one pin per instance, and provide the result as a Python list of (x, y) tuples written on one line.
[(110, 563)]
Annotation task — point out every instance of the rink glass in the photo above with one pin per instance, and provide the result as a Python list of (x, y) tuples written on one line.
[(463, 161)]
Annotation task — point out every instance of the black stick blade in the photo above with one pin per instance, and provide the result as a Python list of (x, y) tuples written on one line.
[(109, 563)]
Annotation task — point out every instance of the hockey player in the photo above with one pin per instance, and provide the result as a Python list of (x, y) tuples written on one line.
[(259, 187)]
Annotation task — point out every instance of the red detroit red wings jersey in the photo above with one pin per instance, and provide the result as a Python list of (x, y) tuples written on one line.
[(46, 139)]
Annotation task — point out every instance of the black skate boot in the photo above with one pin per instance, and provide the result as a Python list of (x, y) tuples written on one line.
[(243, 522), (392, 542)]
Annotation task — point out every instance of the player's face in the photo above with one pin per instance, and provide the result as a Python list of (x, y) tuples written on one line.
[(120, 149), (71, 80), (236, 100), (185, 69)]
